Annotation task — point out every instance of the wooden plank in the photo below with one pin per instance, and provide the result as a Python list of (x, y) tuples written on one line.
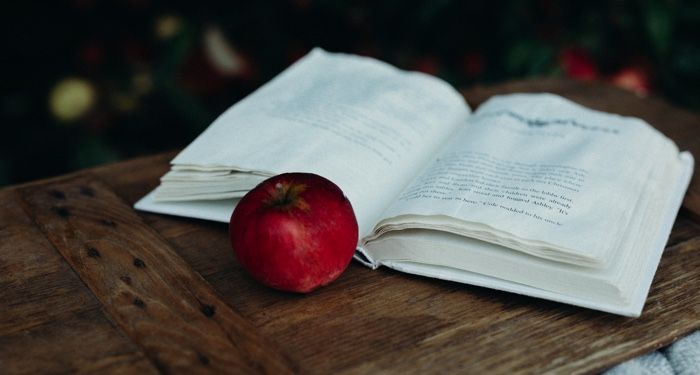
[(49, 320), (537, 336), (159, 302), (374, 321), (685, 228), (376, 318), (382, 320), (131, 178), (678, 124), (371, 316)]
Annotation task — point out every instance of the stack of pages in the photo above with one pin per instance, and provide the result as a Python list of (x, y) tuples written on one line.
[(531, 193)]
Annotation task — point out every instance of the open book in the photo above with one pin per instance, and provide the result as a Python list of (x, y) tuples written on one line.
[(531, 194)]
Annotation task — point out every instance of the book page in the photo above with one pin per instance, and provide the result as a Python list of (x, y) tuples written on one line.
[(361, 123), (621, 287), (537, 173)]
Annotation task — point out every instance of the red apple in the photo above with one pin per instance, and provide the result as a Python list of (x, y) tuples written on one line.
[(294, 232), (578, 64)]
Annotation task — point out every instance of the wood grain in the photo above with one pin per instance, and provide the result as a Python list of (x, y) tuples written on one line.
[(49, 321), (384, 321), (147, 290)]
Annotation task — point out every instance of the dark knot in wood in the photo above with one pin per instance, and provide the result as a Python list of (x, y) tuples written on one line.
[(203, 359), (138, 302), (208, 310), (93, 252), (58, 194), (61, 211), (108, 223), (87, 191)]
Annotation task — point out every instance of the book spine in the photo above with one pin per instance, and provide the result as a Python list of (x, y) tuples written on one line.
[(363, 257)]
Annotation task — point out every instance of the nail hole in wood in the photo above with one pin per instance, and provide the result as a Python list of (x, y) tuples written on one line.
[(138, 263), (93, 252), (203, 359), (138, 302), (86, 191), (162, 368), (208, 310), (58, 194), (61, 211), (108, 223)]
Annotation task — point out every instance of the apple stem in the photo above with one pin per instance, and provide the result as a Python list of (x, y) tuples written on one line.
[(287, 196), (282, 194)]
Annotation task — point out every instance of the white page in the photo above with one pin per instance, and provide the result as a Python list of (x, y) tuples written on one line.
[(215, 210), (541, 169), (419, 252), (361, 123)]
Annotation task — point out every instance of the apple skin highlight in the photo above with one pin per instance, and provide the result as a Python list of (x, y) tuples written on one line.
[(294, 232)]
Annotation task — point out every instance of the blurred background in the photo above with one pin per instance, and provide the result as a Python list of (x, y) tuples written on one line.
[(85, 82)]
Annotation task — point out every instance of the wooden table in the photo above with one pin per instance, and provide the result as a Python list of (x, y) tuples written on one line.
[(89, 285)]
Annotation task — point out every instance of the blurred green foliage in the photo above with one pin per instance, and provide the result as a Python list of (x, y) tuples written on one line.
[(151, 75)]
